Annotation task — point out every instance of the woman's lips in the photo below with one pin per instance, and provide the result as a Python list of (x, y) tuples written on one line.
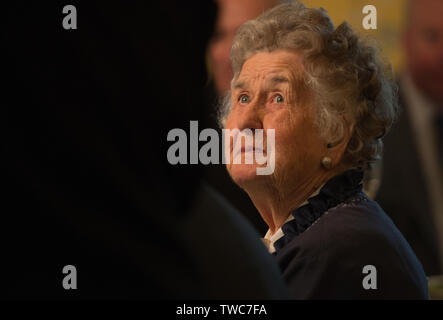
[(248, 149)]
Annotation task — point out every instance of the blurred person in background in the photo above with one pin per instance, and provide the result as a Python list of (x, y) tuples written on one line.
[(411, 188), (231, 15)]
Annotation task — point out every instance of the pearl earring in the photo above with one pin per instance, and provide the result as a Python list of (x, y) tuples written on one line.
[(326, 162)]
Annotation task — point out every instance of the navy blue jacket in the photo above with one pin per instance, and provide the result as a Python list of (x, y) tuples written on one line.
[(326, 247)]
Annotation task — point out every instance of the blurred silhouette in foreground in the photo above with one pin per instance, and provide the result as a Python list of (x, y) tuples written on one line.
[(86, 114)]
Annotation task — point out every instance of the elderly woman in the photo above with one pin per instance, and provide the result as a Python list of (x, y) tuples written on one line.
[(330, 100)]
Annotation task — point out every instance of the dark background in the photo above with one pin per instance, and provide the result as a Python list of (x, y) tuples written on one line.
[(85, 115), (85, 118)]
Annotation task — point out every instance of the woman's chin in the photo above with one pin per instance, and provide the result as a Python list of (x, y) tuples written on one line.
[(244, 173)]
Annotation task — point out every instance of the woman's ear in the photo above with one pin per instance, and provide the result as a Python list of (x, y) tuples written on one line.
[(336, 149)]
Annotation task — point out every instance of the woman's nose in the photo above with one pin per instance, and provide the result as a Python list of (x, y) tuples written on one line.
[(250, 117)]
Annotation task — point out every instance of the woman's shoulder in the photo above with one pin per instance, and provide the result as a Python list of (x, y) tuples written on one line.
[(345, 240), (353, 226), (359, 217)]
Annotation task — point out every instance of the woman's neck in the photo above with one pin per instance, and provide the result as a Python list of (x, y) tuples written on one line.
[(275, 205)]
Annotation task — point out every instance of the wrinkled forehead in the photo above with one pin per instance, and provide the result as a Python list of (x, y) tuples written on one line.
[(283, 67)]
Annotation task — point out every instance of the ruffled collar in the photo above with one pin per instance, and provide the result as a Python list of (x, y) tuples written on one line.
[(337, 190)]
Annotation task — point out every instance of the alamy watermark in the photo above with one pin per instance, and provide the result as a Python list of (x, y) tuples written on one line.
[(246, 144), (369, 20), (70, 280), (369, 281)]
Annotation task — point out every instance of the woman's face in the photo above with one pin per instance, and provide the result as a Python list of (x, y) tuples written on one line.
[(269, 94)]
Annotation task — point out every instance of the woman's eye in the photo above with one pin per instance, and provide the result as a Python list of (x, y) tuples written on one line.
[(243, 98), (278, 99)]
